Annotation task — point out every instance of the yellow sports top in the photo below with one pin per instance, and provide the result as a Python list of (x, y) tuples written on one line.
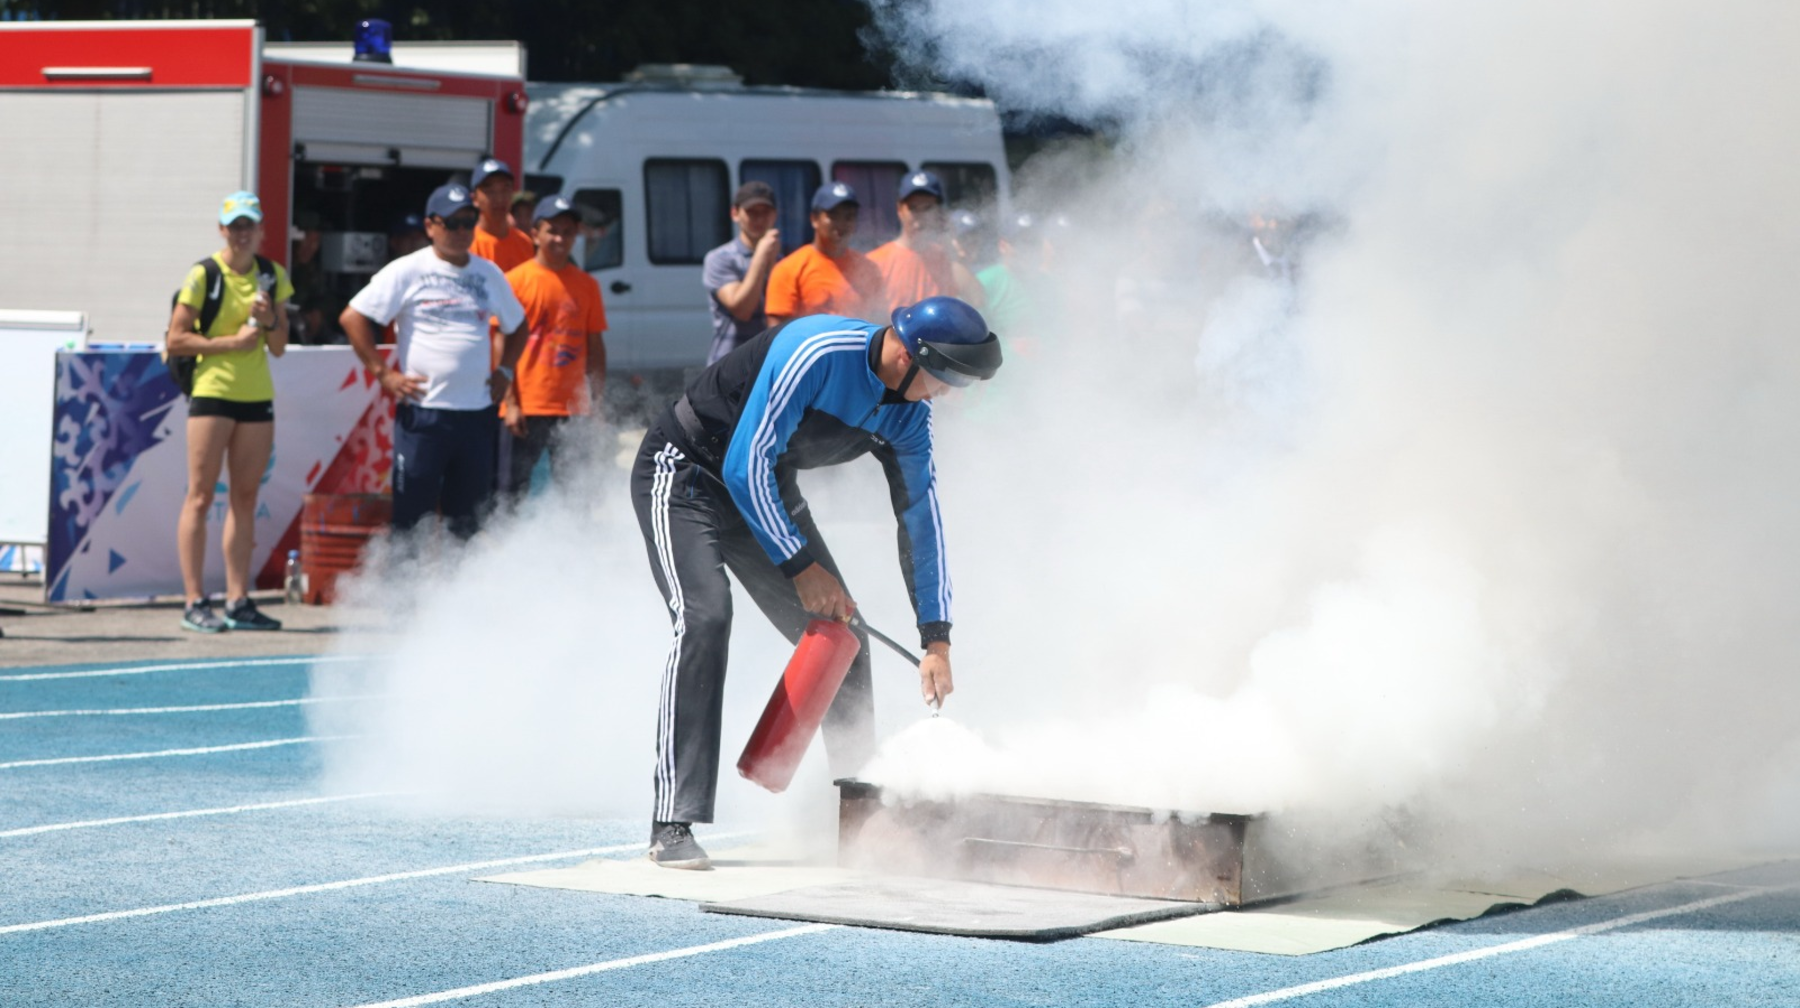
[(237, 375)]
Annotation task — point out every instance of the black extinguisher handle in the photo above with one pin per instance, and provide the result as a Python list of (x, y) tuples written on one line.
[(856, 621)]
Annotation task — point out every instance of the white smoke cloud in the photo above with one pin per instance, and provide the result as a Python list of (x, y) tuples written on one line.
[(1489, 519), (1487, 516)]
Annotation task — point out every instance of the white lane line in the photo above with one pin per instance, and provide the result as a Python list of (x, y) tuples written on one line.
[(1538, 941), (191, 709), (201, 751), (186, 667), (307, 889), (474, 866), (601, 967), (157, 816)]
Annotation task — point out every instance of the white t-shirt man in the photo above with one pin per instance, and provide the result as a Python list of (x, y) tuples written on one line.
[(441, 314)]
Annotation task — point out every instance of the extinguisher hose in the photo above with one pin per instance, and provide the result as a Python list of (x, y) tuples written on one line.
[(856, 621)]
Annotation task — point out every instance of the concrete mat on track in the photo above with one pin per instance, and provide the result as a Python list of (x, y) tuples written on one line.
[(943, 906), (1357, 914), (735, 875)]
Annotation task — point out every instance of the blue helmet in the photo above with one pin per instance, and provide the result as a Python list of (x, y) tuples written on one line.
[(949, 339)]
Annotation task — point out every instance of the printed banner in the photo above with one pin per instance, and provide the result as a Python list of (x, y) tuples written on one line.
[(118, 473)]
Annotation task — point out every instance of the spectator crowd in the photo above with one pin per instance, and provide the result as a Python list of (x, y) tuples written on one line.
[(498, 334)]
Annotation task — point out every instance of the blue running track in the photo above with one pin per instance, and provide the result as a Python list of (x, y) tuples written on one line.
[(278, 894)]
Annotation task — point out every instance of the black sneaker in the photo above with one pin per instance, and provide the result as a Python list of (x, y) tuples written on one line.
[(200, 618), (243, 615), (672, 845)]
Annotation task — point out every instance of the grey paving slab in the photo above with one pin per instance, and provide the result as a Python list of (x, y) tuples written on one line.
[(947, 906), (150, 630)]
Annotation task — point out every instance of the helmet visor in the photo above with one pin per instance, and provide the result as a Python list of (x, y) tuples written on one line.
[(960, 364)]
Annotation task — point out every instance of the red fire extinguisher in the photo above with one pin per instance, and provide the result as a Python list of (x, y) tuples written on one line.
[(802, 696)]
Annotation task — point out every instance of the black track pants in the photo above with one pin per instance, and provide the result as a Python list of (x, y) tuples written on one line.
[(694, 533)]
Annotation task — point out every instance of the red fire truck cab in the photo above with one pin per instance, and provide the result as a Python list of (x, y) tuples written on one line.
[(122, 138)]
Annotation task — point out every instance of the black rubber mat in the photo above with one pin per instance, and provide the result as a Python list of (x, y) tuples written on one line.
[(943, 906)]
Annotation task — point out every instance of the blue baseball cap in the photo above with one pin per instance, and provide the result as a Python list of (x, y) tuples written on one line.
[(240, 204), (921, 181), (554, 206), (448, 199), (491, 166), (409, 223), (833, 195)]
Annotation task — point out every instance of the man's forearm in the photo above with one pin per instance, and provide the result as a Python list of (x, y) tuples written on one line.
[(738, 299), (359, 329), (514, 347), (742, 299)]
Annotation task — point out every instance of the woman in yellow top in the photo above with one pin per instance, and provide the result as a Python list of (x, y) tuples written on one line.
[(231, 416)]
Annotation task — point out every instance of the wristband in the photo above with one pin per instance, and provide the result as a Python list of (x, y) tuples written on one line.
[(504, 370)]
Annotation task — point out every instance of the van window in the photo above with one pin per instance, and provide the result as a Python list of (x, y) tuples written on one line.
[(794, 183), (969, 184), (602, 229), (687, 209), (877, 185)]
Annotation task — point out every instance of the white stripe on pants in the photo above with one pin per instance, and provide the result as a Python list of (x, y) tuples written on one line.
[(665, 717)]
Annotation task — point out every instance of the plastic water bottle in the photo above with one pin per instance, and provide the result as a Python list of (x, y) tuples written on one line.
[(292, 589)]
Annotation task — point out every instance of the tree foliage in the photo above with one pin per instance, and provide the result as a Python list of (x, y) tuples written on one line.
[(813, 43)]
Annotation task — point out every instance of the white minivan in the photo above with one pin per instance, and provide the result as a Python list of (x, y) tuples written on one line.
[(654, 162)]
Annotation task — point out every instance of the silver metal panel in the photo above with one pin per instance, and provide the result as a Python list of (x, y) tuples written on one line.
[(447, 158), (352, 251), (138, 176), (389, 119), (252, 97), (1212, 858)]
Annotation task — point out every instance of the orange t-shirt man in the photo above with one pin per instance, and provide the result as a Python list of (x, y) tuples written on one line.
[(911, 276), (809, 282), (506, 252), (562, 307)]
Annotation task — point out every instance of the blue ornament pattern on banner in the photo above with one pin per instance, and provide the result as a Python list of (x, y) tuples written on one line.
[(110, 408)]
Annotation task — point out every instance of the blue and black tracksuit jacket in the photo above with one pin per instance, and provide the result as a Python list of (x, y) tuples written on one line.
[(803, 396)]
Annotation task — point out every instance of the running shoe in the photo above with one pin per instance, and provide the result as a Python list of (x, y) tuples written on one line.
[(243, 615), (200, 618), (672, 845)]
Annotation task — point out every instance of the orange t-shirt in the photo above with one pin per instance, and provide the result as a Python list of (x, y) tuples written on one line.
[(561, 308), (809, 282), (912, 276), (515, 248)]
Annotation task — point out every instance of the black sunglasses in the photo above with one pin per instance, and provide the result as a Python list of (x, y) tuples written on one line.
[(460, 222)]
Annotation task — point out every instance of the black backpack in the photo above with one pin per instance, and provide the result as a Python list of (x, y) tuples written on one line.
[(181, 368)]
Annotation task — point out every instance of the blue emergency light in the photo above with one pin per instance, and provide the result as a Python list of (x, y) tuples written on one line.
[(374, 41)]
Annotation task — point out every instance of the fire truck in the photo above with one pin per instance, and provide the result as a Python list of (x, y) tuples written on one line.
[(122, 137)]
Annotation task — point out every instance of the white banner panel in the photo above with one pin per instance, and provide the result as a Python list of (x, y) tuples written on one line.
[(29, 341)]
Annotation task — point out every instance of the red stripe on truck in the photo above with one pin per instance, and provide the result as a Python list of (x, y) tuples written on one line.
[(125, 55)]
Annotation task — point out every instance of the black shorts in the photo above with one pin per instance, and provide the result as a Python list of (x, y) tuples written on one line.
[(242, 412)]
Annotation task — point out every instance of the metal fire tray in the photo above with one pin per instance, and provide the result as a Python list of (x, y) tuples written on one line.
[(1224, 859)]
